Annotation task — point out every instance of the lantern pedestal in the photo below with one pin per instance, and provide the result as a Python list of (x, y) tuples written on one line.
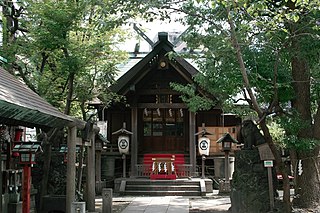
[(224, 187), (226, 141)]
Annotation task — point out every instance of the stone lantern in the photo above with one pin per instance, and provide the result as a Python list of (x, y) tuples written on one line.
[(226, 141), (27, 156)]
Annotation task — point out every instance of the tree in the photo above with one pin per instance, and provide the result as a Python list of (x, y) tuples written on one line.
[(267, 50), (65, 51)]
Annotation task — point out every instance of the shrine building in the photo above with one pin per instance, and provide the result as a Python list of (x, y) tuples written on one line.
[(162, 130)]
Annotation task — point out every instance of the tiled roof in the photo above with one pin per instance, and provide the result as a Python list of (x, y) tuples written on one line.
[(138, 65), (19, 105)]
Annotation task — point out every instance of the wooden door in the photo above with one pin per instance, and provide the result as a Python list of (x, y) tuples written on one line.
[(163, 131)]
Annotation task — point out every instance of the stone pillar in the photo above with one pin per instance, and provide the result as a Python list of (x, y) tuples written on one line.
[(249, 188), (78, 207), (71, 168), (91, 180), (106, 200)]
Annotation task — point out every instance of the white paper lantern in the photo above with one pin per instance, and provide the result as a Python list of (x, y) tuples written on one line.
[(123, 144), (204, 145)]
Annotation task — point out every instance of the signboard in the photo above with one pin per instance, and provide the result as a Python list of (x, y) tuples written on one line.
[(268, 163), (103, 126), (265, 152)]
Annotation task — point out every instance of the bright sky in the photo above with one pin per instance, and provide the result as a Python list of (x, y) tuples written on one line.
[(151, 29)]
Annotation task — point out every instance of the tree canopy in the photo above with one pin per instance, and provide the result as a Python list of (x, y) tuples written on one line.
[(65, 51), (269, 52)]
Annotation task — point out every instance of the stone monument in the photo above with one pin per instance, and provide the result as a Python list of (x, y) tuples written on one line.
[(249, 188)]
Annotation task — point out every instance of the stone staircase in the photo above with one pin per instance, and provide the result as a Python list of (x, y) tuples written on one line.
[(179, 187)]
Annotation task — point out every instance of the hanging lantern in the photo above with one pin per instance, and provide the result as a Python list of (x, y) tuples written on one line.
[(123, 139), (203, 141), (123, 144), (204, 145)]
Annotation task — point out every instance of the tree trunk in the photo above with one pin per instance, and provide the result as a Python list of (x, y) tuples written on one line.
[(46, 169), (280, 168), (8, 35), (307, 187), (287, 208)]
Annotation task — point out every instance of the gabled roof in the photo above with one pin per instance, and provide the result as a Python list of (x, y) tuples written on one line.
[(20, 106), (162, 47)]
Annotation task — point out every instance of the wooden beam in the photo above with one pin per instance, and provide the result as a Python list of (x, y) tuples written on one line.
[(157, 91), (163, 105)]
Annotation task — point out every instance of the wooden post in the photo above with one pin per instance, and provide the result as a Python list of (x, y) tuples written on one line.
[(192, 142), (71, 168), (26, 189), (203, 174), (91, 192), (98, 172), (98, 166), (1, 180), (134, 141), (271, 196), (124, 166)]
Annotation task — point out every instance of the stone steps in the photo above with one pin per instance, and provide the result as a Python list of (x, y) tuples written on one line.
[(177, 187)]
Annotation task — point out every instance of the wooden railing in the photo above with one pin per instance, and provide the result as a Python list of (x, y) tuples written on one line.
[(184, 170), (143, 170), (181, 170)]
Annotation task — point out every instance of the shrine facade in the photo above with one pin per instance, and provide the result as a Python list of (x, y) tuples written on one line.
[(162, 126)]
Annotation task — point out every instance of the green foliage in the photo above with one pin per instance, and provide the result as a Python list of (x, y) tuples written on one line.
[(67, 40), (277, 133), (285, 131), (293, 123), (191, 97), (301, 144)]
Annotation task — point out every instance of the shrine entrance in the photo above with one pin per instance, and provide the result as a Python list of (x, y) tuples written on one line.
[(163, 131)]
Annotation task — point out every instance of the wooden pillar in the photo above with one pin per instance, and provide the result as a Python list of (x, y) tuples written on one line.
[(134, 141), (1, 181), (192, 141), (26, 189), (98, 166), (71, 168), (91, 180)]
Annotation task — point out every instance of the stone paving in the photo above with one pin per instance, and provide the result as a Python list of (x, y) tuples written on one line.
[(212, 203)]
